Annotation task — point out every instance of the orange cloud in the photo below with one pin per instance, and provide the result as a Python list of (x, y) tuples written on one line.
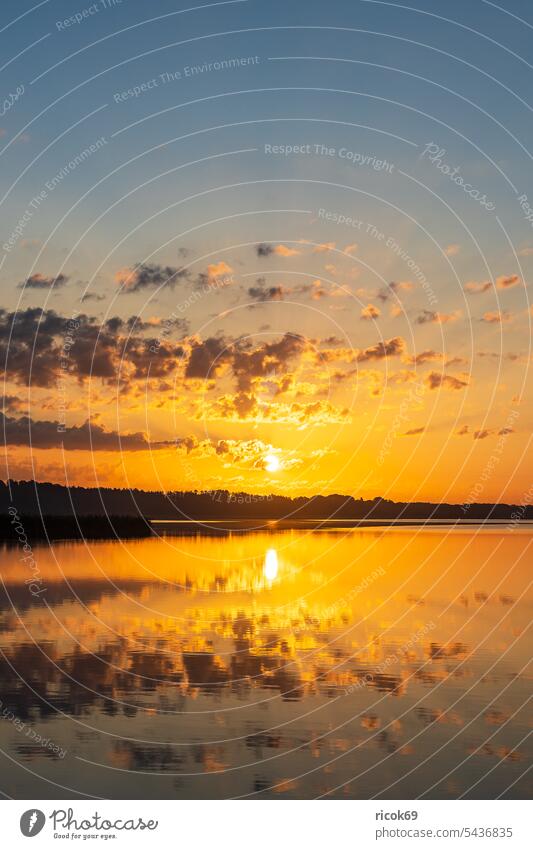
[(497, 317), (430, 317), (435, 380), (218, 269), (324, 247), (283, 250), (370, 312), (477, 288), (507, 281)]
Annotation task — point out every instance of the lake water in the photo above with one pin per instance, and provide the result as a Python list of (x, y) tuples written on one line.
[(388, 663)]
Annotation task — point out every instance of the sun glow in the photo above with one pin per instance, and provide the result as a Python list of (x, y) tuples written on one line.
[(270, 567), (272, 463)]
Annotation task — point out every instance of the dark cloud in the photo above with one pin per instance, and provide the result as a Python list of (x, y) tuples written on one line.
[(414, 431), (92, 296), (430, 317), (390, 348), (266, 293), (149, 276), (42, 281), (387, 292), (86, 437), (28, 343), (435, 379), (11, 403), (249, 363), (427, 356), (264, 250), (207, 357), (39, 345)]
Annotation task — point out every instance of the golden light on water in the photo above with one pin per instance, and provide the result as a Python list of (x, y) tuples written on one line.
[(270, 567)]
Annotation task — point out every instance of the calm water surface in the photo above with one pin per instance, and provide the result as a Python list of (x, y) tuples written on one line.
[(347, 663)]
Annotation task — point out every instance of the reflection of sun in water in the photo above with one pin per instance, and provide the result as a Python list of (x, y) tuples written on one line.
[(272, 463), (270, 568)]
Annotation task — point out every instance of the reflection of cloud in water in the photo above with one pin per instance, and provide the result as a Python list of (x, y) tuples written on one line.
[(177, 653)]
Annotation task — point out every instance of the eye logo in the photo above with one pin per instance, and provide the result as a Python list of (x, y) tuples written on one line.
[(32, 822)]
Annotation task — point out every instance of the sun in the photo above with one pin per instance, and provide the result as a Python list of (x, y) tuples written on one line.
[(272, 463)]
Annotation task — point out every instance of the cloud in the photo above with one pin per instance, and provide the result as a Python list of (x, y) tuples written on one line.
[(324, 247), (301, 415), (149, 276), (351, 249), (92, 296), (42, 281), (474, 288), (497, 317), (11, 403), (435, 380), (266, 249), (207, 357), (452, 250), (507, 281), (426, 356), (218, 269), (463, 431), (388, 292), (39, 345), (430, 317), (390, 348), (86, 437), (264, 293), (370, 312), (414, 431), (253, 454), (483, 433), (249, 362)]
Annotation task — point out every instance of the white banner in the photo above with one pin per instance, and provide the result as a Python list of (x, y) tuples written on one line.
[(267, 824)]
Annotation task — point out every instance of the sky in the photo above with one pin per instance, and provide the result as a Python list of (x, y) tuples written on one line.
[(269, 247)]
